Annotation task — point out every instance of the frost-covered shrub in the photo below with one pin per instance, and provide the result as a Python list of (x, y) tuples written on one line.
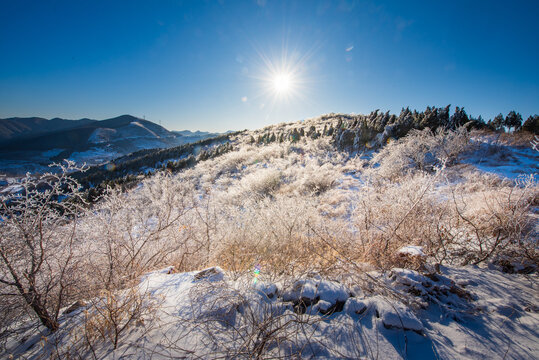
[(386, 215), (272, 151), (275, 233), (111, 315), (391, 215), (493, 152), (406, 155), (476, 220), (234, 161), (315, 179), (40, 247), (419, 150), (136, 232), (498, 221), (450, 144), (535, 143), (262, 182)]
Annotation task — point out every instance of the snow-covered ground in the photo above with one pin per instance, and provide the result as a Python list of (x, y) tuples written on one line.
[(93, 156), (466, 312), (503, 160), (460, 313)]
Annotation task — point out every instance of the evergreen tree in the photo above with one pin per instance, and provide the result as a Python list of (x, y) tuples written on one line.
[(459, 118), (294, 136), (429, 118), (532, 124), (443, 116), (513, 120), (498, 121), (311, 131), (330, 131)]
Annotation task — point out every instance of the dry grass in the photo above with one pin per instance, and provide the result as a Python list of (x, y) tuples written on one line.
[(112, 314)]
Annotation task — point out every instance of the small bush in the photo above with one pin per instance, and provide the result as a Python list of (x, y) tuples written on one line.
[(262, 183), (419, 150)]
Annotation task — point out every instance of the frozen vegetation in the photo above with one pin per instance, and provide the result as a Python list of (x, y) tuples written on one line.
[(311, 246)]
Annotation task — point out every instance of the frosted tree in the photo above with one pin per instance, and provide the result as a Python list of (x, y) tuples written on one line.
[(38, 228), (459, 118)]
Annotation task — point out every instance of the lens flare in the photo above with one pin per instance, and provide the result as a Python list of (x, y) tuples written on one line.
[(256, 273)]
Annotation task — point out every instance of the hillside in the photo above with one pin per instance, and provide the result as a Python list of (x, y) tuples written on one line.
[(13, 128), (39, 142), (353, 134), (371, 236)]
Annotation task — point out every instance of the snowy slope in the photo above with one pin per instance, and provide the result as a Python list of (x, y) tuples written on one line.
[(503, 160), (465, 313)]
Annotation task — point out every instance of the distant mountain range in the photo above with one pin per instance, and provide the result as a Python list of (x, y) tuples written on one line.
[(30, 144), (13, 128), (197, 133)]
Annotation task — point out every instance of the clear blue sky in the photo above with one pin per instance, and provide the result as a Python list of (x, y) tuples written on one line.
[(204, 64)]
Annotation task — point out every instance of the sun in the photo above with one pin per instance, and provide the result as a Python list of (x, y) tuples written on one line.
[(282, 83), (282, 78)]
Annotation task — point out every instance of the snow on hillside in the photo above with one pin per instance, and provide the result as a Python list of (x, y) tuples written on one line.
[(423, 249), (467, 312), (94, 156), (101, 135), (504, 160)]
